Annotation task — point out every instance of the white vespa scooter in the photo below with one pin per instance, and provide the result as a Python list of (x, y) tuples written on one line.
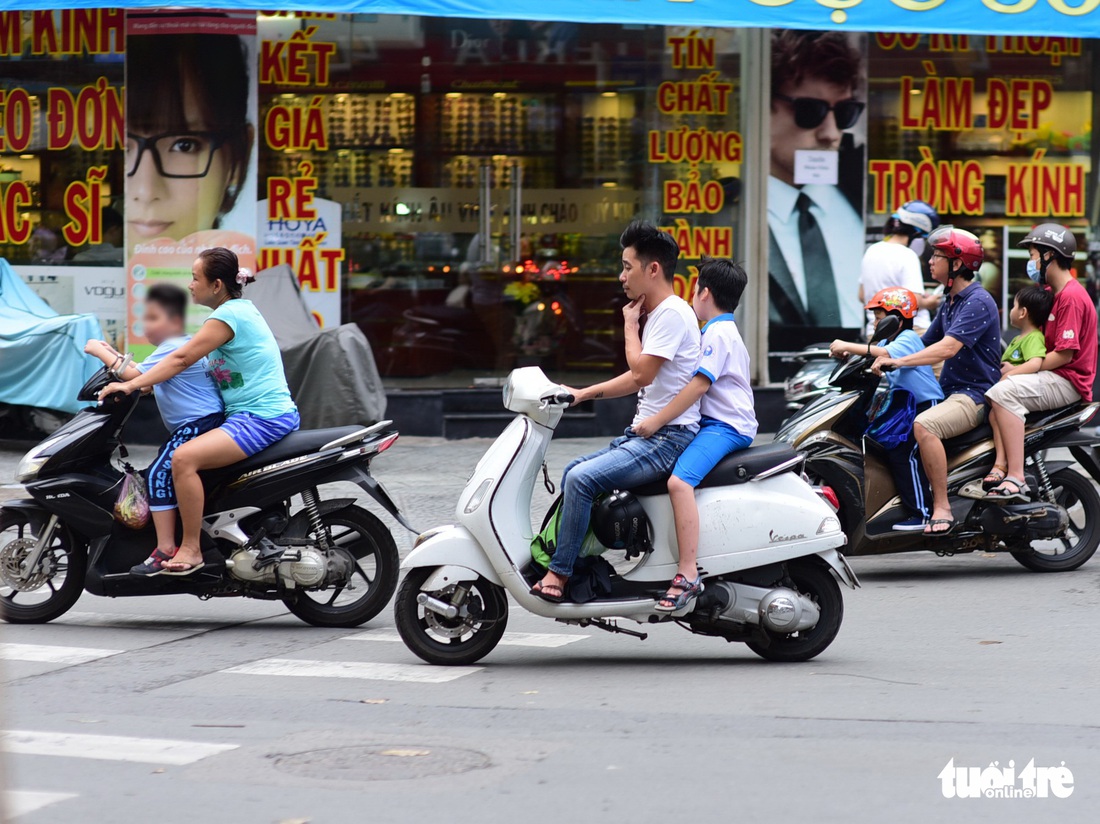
[(768, 547)]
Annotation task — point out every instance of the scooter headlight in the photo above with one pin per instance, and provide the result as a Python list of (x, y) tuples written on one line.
[(32, 463)]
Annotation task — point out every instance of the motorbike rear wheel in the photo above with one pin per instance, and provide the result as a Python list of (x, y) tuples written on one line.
[(468, 638), (1078, 496), (370, 547), (49, 592), (815, 581)]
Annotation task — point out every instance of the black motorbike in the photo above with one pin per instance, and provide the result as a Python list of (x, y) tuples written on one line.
[(331, 562), (1057, 530)]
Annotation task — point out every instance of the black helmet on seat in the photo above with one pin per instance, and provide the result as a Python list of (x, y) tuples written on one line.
[(620, 522)]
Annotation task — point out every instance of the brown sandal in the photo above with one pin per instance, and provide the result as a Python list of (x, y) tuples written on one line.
[(995, 477)]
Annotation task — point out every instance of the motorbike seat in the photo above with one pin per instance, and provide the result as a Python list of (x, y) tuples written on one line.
[(736, 468), (294, 445), (1039, 419), (978, 434)]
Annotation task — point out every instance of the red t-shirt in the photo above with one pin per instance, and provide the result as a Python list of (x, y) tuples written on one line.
[(1072, 326)]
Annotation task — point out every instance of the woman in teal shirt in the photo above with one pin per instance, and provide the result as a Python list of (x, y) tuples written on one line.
[(248, 369)]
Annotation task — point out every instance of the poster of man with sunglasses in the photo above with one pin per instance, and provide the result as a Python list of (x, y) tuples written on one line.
[(190, 157), (815, 229)]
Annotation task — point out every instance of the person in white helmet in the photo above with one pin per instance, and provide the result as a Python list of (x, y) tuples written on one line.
[(892, 263)]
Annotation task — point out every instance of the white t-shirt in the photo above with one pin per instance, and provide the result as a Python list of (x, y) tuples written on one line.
[(892, 264), (671, 332), (725, 360)]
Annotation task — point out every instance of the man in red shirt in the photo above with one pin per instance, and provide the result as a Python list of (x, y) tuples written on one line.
[(1069, 368)]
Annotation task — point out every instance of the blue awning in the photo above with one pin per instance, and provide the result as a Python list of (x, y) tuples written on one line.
[(1051, 18)]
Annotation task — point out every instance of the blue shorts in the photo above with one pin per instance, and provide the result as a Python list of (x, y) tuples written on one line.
[(254, 434), (714, 441), (162, 490)]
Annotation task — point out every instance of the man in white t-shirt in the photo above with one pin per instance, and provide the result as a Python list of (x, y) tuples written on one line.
[(890, 263), (661, 358)]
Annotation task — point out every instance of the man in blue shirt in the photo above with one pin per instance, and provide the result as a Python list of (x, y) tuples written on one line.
[(966, 337)]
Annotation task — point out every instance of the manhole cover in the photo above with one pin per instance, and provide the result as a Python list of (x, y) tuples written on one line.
[(382, 762)]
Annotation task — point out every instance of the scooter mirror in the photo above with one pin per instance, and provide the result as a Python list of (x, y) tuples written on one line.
[(887, 327)]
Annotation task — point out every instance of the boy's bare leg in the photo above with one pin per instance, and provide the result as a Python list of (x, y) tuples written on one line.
[(164, 521), (999, 460), (686, 513)]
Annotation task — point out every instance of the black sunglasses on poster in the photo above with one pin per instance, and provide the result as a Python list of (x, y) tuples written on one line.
[(810, 112)]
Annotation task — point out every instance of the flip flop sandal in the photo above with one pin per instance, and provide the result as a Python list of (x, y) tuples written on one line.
[(1003, 493), (932, 532), (541, 591), (153, 565), (191, 569), (688, 591)]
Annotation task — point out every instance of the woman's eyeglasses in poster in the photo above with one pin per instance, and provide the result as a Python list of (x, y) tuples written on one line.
[(175, 154)]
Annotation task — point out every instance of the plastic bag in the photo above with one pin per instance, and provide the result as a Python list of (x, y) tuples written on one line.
[(132, 506)]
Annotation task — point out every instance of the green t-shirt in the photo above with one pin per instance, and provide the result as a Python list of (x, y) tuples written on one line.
[(1025, 347)]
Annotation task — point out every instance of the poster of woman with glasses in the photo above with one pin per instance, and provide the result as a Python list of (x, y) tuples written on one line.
[(815, 188), (190, 145)]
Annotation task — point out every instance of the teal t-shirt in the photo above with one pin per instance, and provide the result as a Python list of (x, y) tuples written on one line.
[(249, 368), (1025, 347)]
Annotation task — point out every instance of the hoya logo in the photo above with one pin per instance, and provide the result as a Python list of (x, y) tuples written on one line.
[(996, 781), (775, 538)]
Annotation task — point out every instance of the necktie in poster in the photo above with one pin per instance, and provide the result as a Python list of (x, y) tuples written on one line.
[(190, 148)]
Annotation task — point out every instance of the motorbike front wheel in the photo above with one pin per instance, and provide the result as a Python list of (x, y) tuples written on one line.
[(466, 638), (370, 547), (815, 581), (48, 592), (1077, 495)]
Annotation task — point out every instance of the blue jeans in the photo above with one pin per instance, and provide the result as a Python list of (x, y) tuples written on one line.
[(626, 462)]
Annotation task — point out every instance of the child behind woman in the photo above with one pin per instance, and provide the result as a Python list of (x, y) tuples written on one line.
[(189, 404)]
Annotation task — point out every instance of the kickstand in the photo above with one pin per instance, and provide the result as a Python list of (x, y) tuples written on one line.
[(612, 627)]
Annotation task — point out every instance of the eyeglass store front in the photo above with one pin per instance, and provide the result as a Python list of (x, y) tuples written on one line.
[(456, 187)]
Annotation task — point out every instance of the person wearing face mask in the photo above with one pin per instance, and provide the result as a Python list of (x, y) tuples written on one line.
[(1068, 369)]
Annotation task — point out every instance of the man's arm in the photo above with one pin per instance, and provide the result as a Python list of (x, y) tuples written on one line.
[(617, 387), (643, 368), (696, 388), (941, 350), (1056, 359)]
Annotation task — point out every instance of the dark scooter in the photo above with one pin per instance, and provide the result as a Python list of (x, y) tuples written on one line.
[(1056, 531), (331, 562)]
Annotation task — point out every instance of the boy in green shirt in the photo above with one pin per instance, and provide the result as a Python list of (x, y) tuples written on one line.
[(1024, 355), (1029, 314)]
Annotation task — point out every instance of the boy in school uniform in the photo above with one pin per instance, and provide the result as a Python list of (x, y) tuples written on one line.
[(722, 388), (190, 404)]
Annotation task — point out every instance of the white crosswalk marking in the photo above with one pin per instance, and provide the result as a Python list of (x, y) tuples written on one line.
[(21, 802), (109, 747), (41, 653), (510, 639), (291, 667)]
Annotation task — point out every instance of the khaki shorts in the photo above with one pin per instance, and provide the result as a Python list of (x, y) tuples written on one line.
[(952, 417), (1020, 394)]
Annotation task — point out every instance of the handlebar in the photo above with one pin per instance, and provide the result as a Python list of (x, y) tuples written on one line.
[(559, 399), (127, 359)]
